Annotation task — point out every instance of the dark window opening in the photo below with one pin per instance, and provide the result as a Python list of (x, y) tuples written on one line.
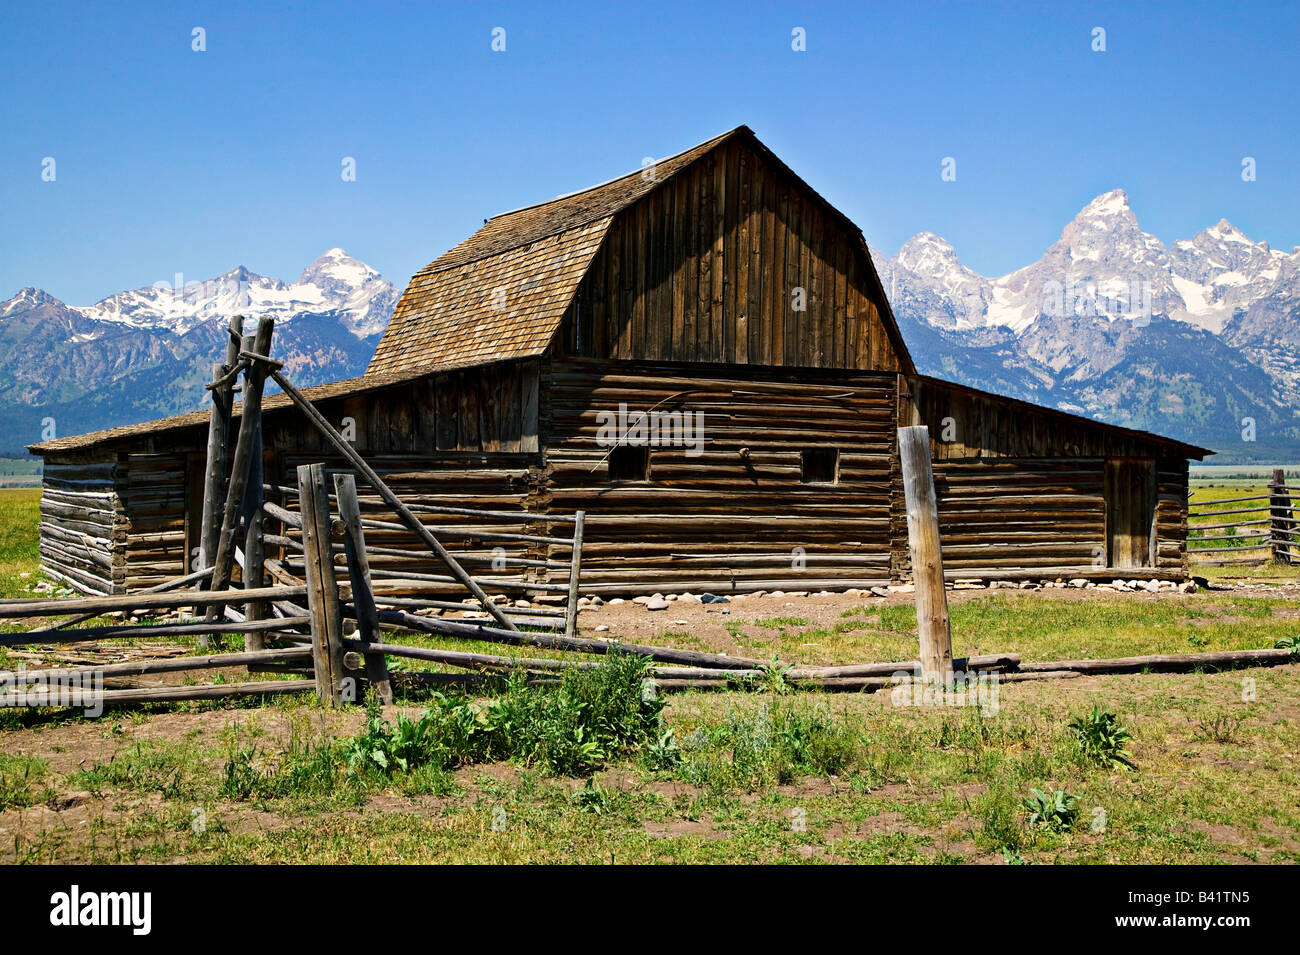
[(628, 462), (820, 465)]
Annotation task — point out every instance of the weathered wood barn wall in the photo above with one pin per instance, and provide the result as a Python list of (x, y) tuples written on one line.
[(718, 284)]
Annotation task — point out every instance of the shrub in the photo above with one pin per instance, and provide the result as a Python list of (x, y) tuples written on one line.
[(594, 715)]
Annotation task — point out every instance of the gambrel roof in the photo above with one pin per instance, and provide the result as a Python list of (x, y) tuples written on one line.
[(503, 292)]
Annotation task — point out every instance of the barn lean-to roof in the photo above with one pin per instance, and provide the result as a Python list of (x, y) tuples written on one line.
[(272, 402)]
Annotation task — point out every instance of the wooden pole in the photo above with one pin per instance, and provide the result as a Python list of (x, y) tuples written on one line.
[(1279, 513), (322, 589), (249, 424), (214, 479), (36, 607), (354, 545), (215, 474), (575, 570), (374, 480), (251, 509), (927, 561)]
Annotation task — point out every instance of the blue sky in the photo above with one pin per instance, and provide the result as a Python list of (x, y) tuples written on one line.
[(170, 160)]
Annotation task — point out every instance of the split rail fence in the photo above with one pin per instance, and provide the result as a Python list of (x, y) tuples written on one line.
[(1253, 529)]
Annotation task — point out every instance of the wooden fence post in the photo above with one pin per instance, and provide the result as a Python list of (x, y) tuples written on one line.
[(254, 548), (363, 597), (249, 424), (214, 478), (322, 588), (927, 561), (575, 569), (1281, 526)]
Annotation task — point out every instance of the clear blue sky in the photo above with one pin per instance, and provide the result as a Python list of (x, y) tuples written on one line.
[(169, 160)]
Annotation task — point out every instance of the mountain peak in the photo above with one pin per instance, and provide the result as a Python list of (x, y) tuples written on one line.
[(925, 250), (1107, 205), (335, 268), (1226, 231), (28, 297)]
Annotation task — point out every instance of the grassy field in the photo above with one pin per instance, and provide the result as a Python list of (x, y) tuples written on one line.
[(19, 515), (592, 772)]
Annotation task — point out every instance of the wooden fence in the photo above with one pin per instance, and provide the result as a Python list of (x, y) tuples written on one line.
[(1252, 529)]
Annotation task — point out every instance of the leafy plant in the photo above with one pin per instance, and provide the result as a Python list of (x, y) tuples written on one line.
[(1101, 740), (591, 798), (1055, 811), (772, 676), (241, 778), (663, 753), (1291, 643)]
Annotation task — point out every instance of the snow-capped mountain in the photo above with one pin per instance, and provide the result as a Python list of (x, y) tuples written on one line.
[(148, 352), (1187, 340), (335, 283)]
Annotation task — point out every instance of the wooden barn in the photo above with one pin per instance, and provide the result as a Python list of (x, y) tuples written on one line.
[(698, 354)]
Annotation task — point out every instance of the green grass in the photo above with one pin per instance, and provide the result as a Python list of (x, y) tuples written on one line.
[(1051, 625), (19, 545), (756, 779), (22, 781)]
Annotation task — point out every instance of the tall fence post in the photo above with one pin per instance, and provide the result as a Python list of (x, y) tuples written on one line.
[(927, 562), (214, 478), (363, 596), (575, 575), (254, 548), (322, 588), (249, 425), (1281, 526)]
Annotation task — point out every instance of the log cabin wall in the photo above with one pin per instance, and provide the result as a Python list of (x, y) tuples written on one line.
[(1022, 491), (740, 516), (708, 268), (151, 487), (83, 533)]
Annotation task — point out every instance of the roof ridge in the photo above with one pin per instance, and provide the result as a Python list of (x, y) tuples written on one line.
[(609, 182)]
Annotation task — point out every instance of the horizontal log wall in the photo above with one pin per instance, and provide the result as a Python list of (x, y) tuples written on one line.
[(152, 490), (732, 260), (1022, 490), (83, 534), (723, 520)]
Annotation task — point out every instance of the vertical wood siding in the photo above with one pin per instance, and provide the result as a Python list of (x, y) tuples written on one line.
[(705, 269)]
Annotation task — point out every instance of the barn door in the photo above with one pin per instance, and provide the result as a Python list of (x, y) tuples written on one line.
[(1130, 511)]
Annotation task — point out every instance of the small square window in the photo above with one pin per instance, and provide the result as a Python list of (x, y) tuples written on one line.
[(629, 462), (820, 466)]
